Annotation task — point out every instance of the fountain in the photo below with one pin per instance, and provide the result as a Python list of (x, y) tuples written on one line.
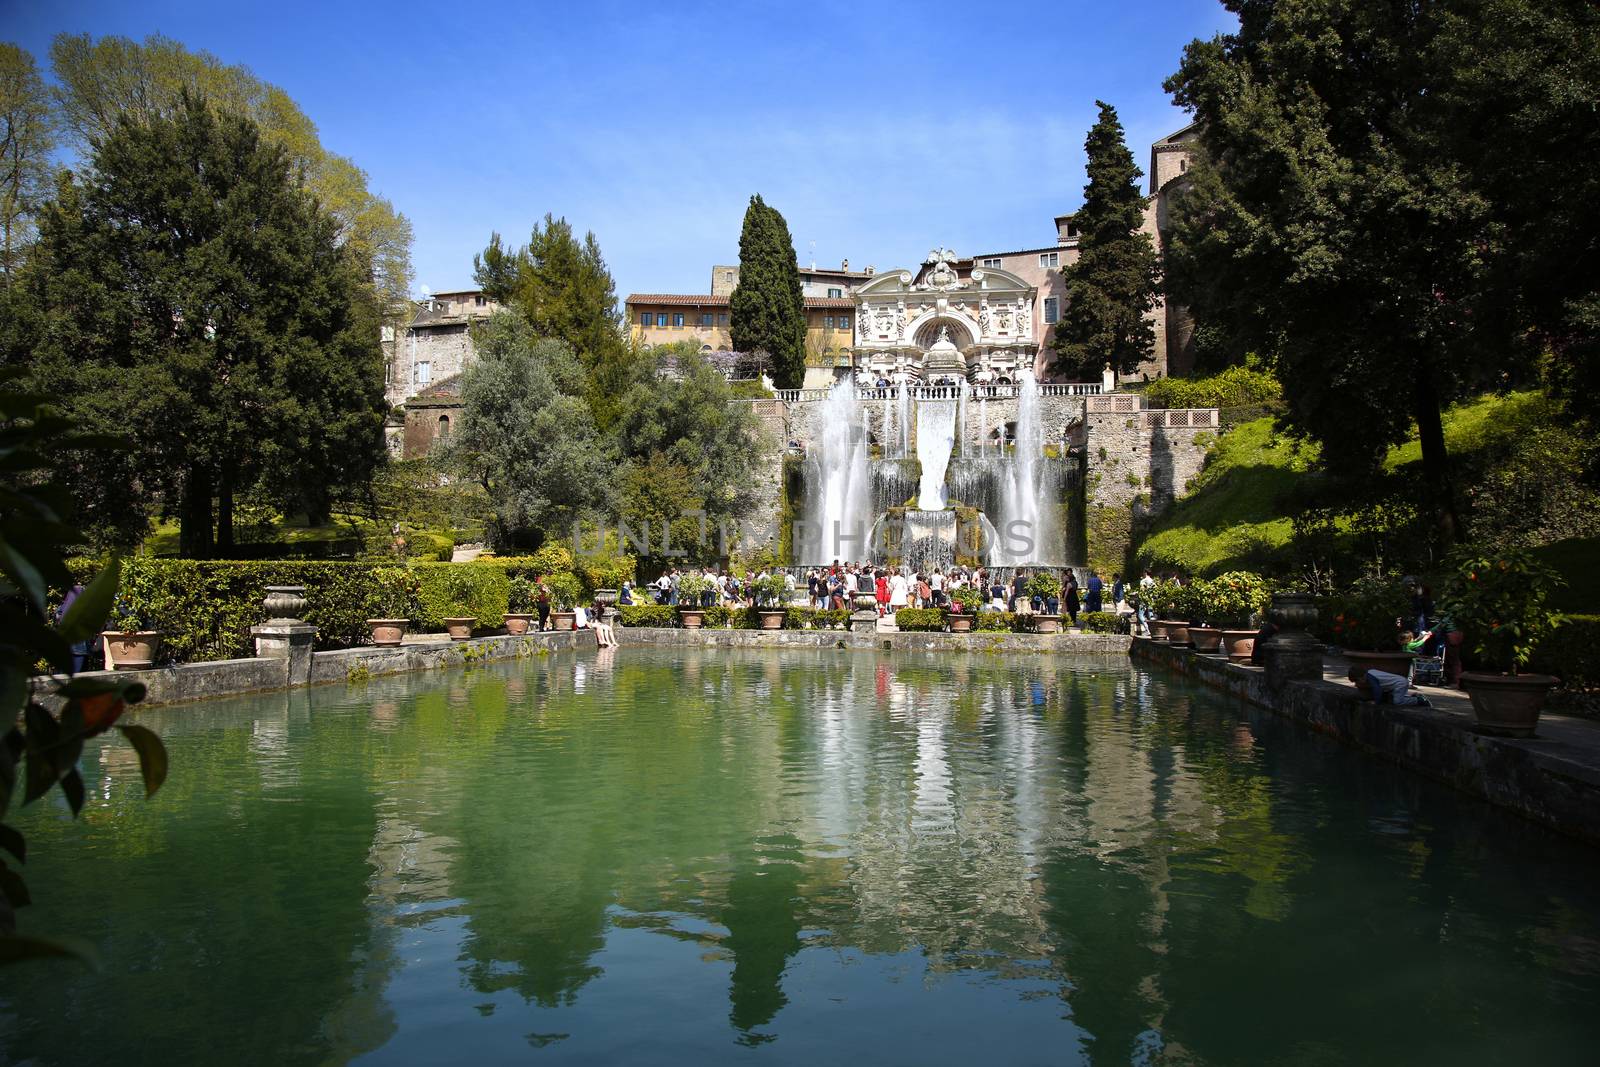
[(838, 481)]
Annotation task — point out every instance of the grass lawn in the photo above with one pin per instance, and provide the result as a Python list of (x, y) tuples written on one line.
[(303, 539), (1233, 515)]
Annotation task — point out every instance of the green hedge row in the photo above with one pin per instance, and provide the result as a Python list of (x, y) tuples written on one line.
[(920, 620), (1572, 652), (1103, 622), (205, 608), (932, 620), (661, 615)]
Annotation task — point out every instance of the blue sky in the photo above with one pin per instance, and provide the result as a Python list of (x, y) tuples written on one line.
[(878, 130)]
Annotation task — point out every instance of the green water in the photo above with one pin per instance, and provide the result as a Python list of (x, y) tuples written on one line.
[(808, 857)]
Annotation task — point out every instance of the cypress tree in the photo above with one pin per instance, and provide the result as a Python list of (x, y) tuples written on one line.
[(1113, 283), (767, 310)]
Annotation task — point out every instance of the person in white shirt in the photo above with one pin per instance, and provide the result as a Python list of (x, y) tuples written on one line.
[(899, 591), (936, 587)]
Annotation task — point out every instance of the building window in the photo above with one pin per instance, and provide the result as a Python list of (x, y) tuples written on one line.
[(424, 373), (444, 425), (722, 319), (386, 333), (1052, 308), (1050, 259), (645, 318), (835, 294), (995, 263), (480, 300), (707, 318), (661, 318), (677, 318), (844, 322), (828, 322)]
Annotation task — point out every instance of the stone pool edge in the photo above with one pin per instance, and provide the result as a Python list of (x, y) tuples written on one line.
[(1549, 781)]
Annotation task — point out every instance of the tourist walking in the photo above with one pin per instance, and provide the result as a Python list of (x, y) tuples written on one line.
[(1069, 597), (1019, 588), (541, 602), (1096, 590), (899, 591), (880, 592)]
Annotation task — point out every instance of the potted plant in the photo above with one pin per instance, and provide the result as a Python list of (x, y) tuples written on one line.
[(131, 638), (1366, 624), (1172, 601), (565, 592), (691, 588), (458, 590), (1042, 586), (1228, 603), (962, 613), (770, 593), (521, 603), (1499, 603), (394, 603)]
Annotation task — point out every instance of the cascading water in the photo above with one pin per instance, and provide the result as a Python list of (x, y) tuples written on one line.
[(839, 479), (936, 437), (903, 406), (1028, 519)]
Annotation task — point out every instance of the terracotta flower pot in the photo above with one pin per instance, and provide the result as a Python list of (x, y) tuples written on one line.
[(961, 624), (691, 618), (1158, 630), (562, 620), (1205, 638), (1507, 704), (1177, 632), (386, 633), (1239, 645), (134, 650), (459, 629), (1047, 624), (1388, 662), (772, 620), (517, 623)]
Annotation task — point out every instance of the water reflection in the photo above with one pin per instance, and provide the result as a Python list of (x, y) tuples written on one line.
[(640, 855)]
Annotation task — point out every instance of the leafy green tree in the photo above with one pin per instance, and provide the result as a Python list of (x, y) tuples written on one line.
[(27, 137), (103, 81), (190, 292), (767, 310), (1113, 284), (1385, 193), (564, 289), (527, 435)]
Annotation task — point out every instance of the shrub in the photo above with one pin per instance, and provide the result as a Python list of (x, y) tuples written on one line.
[(522, 597), (479, 591), (718, 616), (566, 590), (1367, 617), (394, 593), (691, 587), (816, 618), (1103, 622), (1499, 604), (1043, 584), (920, 620), (991, 622), (1245, 386), (649, 615), (1572, 652), (1229, 600)]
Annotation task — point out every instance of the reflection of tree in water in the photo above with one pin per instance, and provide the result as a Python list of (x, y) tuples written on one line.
[(761, 915)]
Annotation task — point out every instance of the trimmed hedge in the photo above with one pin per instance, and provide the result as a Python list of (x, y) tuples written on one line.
[(920, 620), (1103, 622), (649, 615), (738, 618), (1571, 652)]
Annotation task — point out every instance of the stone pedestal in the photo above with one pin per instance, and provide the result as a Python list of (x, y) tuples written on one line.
[(1292, 654), (864, 619), (284, 637)]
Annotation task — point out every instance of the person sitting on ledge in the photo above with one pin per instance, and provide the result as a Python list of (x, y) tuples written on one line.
[(1395, 689)]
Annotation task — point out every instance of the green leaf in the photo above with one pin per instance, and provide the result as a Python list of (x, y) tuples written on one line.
[(87, 616), (15, 948), (13, 842), (13, 888), (72, 786), (152, 756)]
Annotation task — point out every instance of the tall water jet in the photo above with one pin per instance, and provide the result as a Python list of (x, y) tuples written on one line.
[(936, 437), (903, 396), (1028, 521), (839, 505)]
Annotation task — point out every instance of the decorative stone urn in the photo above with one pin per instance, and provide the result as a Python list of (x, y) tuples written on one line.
[(459, 629), (864, 617), (517, 623), (1292, 653), (1047, 624), (1507, 704), (691, 618), (961, 624), (772, 618), (284, 603), (607, 601), (1205, 638), (132, 651)]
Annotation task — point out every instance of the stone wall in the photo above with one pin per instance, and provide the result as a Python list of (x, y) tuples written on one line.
[(1136, 463)]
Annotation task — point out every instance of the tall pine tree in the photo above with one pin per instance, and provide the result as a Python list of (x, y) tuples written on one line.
[(1113, 283), (768, 311)]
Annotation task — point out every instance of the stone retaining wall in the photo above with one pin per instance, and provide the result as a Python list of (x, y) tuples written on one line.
[(1552, 781), (671, 637)]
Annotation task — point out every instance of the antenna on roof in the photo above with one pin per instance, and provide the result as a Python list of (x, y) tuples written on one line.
[(812, 245)]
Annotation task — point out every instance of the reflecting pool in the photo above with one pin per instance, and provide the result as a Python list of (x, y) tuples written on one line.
[(803, 857)]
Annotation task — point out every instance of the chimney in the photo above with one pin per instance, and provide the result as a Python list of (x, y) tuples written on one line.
[(870, 268), (845, 265)]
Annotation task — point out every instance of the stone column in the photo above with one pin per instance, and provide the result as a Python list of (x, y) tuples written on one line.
[(285, 637), (1292, 654)]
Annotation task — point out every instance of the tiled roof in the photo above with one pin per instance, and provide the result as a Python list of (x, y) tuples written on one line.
[(697, 300)]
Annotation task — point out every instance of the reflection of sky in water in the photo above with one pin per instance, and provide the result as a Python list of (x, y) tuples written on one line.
[(654, 856)]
